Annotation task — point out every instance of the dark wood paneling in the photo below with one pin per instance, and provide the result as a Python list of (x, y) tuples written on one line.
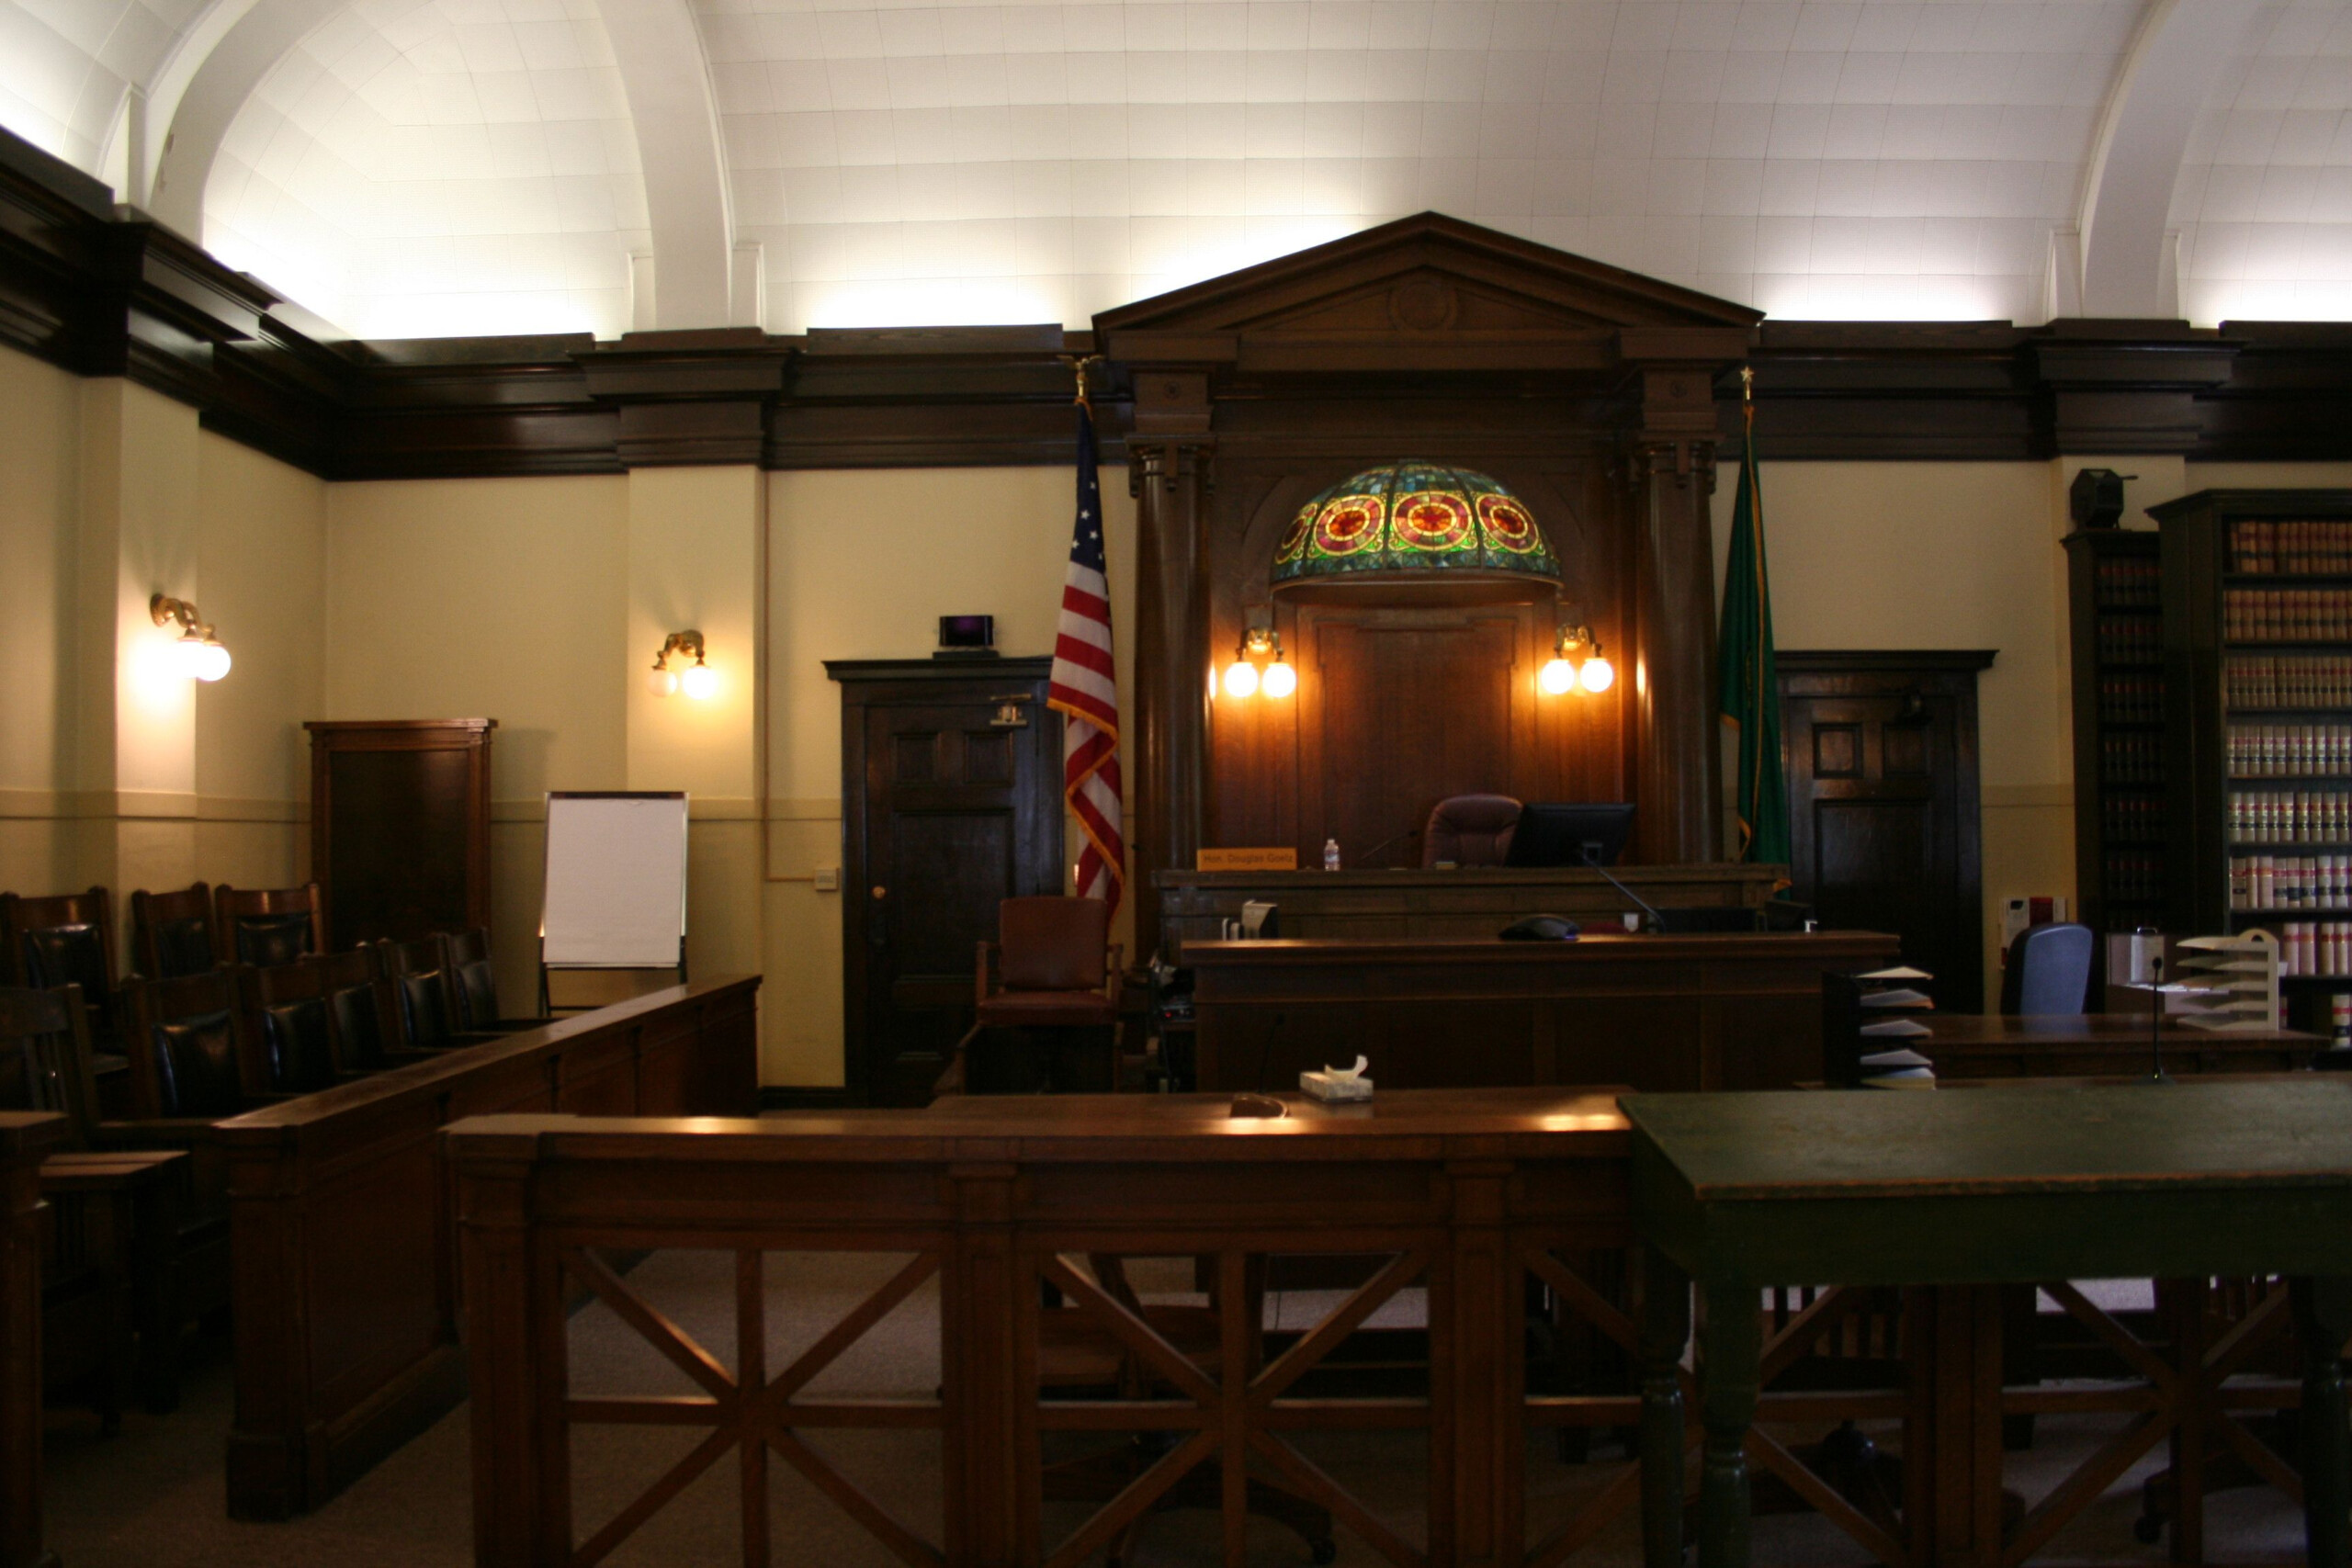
[(346, 1300), (27, 1137), (1658, 1012), (945, 814), (102, 290), (1879, 754), (400, 826)]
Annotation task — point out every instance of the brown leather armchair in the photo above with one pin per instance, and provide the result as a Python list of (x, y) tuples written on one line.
[(267, 925), (171, 933), (1470, 830), (1054, 967)]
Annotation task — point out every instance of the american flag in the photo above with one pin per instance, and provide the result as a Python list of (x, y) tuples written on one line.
[(1083, 691)]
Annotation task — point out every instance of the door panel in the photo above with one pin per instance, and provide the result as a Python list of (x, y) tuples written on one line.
[(952, 803), (1879, 754)]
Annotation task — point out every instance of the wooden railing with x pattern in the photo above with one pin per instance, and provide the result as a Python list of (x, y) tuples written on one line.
[(1075, 1413)]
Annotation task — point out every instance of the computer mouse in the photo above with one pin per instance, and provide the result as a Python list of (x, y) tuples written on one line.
[(1540, 928)]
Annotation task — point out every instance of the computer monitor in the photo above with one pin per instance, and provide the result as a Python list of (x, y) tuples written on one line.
[(1583, 833)]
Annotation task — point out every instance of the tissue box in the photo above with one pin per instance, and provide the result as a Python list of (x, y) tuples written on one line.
[(1333, 1085)]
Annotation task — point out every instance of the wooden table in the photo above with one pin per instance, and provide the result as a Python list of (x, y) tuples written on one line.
[(2032, 1182), (1658, 1012), (2101, 1045)]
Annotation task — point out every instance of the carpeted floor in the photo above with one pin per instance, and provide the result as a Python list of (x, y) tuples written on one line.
[(153, 1496)]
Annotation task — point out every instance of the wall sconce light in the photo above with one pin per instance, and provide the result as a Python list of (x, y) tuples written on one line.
[(1243, 677), (198, 649), (698, 680), (1562, 674)]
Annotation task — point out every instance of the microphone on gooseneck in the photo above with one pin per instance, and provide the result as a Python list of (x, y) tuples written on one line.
[(1592, 862), (1364, 860)]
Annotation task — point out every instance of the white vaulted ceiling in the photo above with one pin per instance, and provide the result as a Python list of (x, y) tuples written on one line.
[(413, 167)]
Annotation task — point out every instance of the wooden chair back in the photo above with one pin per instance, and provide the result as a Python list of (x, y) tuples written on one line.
[(362, 1005), (1053, 945), (191, 1056), (474, 979), (419, 972), (289, 1017), (45, 1056), (267, 926), (68, 940), (171, 933)]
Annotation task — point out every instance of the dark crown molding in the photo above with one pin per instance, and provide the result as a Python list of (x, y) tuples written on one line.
[(104, 290)]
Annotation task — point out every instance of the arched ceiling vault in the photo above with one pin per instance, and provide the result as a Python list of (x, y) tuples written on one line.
[(418, 167)]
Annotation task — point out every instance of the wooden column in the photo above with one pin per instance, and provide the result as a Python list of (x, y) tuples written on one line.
[(1676, 752), (24, 1139), (1168, 473)]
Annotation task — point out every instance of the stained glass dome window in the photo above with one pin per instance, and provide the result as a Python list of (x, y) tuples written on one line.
[(1428, 530)]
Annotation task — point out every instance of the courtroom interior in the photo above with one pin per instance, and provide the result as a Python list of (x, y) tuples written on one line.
[(1501, 782)]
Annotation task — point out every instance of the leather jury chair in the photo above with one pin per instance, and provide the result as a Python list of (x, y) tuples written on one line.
[(171, 933), (1470, 830), (1055, 970), (2047, 970), (267, 926), (67, 941)]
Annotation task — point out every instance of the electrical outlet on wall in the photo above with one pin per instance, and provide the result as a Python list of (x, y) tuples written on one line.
[(829, 879)]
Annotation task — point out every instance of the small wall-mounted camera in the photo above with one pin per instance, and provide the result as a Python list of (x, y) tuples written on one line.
[(967, 637)]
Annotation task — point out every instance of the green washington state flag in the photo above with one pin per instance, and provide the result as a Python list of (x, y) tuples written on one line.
[(1751, 697)]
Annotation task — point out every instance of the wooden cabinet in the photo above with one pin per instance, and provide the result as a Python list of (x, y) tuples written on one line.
[(400, 826), (2257, 671), (1885, 835), (2114, 605), (951, 803)]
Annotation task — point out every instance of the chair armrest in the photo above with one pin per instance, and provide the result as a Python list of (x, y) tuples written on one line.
[(980, 957), (90, 1171)]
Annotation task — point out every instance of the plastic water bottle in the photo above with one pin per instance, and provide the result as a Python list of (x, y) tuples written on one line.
[(1330, 854)]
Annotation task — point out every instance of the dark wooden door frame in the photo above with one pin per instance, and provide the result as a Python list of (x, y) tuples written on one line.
[(1882, 673), (868, 684)]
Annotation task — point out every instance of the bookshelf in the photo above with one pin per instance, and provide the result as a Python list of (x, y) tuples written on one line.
[(2116, 619), (2258, 673)]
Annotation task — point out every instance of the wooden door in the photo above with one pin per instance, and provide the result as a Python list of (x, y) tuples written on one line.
[(951, 803), (1880, 750), (400, 827)]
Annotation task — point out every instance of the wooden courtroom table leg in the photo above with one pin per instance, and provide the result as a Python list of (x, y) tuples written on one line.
[(1666, 1330), (2323, 1318), (1730, 1349)]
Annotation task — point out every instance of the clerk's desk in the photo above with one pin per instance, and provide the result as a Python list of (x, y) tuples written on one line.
[(1658, 1012), (1474, 901)]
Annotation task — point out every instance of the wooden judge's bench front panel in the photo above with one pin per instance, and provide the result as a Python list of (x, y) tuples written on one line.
[(1662, 1013)]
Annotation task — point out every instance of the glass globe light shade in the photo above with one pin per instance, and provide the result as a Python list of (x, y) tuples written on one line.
[(1555, 677), (700, 682), (1598, 674), (1280, 680), (1240, 678), (662, 683), (208, 661)]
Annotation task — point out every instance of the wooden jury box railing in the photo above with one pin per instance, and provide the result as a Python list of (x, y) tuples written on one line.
[(347, 1296), (1463, 1193)]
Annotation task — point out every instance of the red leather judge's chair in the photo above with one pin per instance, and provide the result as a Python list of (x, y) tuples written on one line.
[(1056, 970), (1470, 830)]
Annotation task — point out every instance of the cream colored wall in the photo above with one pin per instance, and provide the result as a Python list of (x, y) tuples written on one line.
[(861, 565), (114, 769), (1944, 556), (261, 531), (498, 598), (39, 500)]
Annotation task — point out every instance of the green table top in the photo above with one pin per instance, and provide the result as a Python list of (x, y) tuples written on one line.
[(2029, 1137), (2025, 1181)]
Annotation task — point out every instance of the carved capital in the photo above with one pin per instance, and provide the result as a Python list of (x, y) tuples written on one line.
[(1170, 459), (1677, 457)]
